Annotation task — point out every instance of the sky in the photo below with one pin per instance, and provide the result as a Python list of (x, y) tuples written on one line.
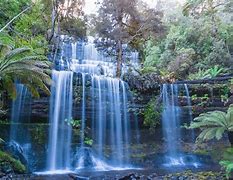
[(90, 5)]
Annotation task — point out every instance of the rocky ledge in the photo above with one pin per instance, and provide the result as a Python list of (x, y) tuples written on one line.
[(186, 175)]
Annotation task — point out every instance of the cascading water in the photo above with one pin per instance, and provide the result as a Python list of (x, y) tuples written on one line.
[(171, 118), (110, 122), (108, 103), (20, 111), (59, 147), (190, 112), (188, 102), (19, 142)]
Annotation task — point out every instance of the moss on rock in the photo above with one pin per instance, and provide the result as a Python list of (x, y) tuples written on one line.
[(8, 164)]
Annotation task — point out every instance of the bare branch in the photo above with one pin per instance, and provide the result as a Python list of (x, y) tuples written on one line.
[(15, 18)]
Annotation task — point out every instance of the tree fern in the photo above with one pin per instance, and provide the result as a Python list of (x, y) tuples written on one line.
[(24, 65), (213, 124)]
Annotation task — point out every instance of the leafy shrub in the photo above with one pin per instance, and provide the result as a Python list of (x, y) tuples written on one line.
[(152, 55), (88, 141), (73, 122), (215, 71), (200, 74), (147, 70), (206, 74), (152, 114), (213, 124), (227, 162)]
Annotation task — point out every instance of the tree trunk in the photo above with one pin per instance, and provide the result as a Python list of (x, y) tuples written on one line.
[(230, 137), (54, 18), (119, 59)]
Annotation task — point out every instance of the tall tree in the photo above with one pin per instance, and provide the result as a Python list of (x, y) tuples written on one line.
[(121, 22), (146, 25), (113, 17), (64, 13)]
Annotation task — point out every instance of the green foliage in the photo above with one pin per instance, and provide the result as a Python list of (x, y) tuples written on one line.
[(74, 27), (206, 74), (11, 8), (152, 114), (38, 44), (24, 65), (215, 71), (147, 70), (194, 97), (74, 123), (196, 46), (227, 162), (88, 141), (231, 85), (7, 161), (31, 24), (228, 166), (152, 54), (213, 124)]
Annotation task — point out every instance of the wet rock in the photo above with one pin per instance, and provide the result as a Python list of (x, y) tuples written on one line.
[(152, 176), (6, 168), (77, 177), (143, 82), (131, 177), (230, 100), (16, 151)]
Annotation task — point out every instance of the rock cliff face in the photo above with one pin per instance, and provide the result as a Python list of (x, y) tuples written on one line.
[(205, 96)]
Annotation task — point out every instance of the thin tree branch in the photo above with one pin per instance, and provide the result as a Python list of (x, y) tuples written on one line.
[(15, 18)]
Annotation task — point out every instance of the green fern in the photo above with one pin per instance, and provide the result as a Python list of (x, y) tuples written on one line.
[(227, 162), (24, 65), (213, 124), (228, 165), (215, 71)]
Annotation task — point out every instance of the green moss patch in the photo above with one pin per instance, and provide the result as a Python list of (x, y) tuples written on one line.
[(9, 164), (196, 175)]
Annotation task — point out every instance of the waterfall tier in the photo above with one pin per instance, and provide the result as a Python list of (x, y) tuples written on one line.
[(171, 123), (102, 95)]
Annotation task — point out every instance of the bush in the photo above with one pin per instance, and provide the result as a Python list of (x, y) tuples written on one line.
[(227, 162), (152, 114)]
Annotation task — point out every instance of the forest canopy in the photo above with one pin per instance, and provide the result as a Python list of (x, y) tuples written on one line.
[(188, 41)]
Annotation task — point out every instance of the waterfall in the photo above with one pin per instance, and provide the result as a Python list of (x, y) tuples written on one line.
[(74, 50), (188, 102), (110, 122), (20, 112), (59, 147), (171, 117), (190, 111), (104, 97), (19, 139), (100, 121), (83, 118)]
